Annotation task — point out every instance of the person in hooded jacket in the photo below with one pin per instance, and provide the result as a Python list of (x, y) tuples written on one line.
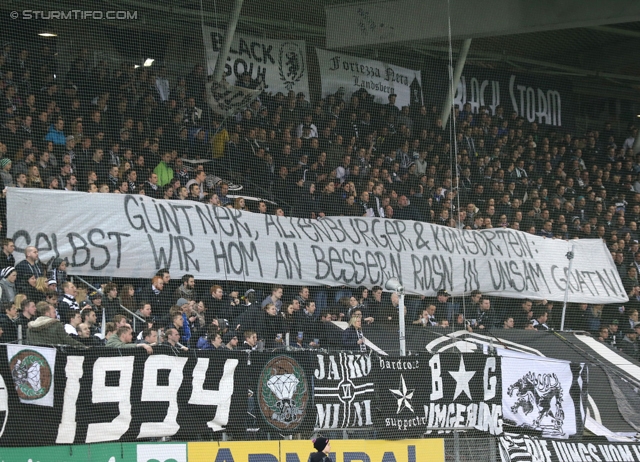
[(48, 330)]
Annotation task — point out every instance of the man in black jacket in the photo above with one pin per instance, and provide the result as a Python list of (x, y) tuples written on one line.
[(330, 334), (28, 267), (323, 446), (216, 304), (629, 344), (9, 322), (6, 256)]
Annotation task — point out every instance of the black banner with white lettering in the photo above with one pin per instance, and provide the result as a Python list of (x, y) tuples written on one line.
[(121, 395), (344, 390), (523, 448), (99, 395), (547, 101), (436, 394)]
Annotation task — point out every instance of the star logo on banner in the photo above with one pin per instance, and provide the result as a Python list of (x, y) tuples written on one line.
[(462, 378), (403, 395)]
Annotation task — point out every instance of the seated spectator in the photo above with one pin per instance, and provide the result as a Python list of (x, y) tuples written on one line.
[(89, 319), (615, 335), (629, 344), (230, 340), (71, 327), (109, 330), (389, 311), (120, 320), (85, 337), (47, 330), (180, 323), (460, 323), (123, 338), (289, 318), (211, 341), (539, 322), (250, 340), (149, 336), (603, 335), (355, 305), (172, 339), (353, 337), (427, 318)]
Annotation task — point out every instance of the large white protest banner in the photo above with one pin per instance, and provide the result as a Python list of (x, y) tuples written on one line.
[(280, 64), (380, 79), (134, 236)]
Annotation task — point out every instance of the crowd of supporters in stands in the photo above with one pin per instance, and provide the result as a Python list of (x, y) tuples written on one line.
[(138, 131)]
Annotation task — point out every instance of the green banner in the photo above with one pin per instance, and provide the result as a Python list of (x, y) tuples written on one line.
[(109, 452)]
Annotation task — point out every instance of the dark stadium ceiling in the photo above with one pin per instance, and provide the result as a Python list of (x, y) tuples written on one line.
[(578, 53)]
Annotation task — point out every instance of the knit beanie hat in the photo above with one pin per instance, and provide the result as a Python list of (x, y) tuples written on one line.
[(6, 272), (4, 162), (320, 443)]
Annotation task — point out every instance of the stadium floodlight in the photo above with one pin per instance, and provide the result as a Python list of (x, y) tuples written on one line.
[(148, 62), (47, 33), (396, 286)]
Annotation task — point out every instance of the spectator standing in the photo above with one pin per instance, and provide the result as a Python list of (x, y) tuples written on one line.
[(28, 267), (8, 278), (9, 322), (275, 298), (6, 256)]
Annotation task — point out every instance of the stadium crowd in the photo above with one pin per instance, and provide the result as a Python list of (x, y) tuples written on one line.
[(139, 131)]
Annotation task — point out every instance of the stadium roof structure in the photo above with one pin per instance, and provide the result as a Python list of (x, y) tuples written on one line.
[(594, 43)]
